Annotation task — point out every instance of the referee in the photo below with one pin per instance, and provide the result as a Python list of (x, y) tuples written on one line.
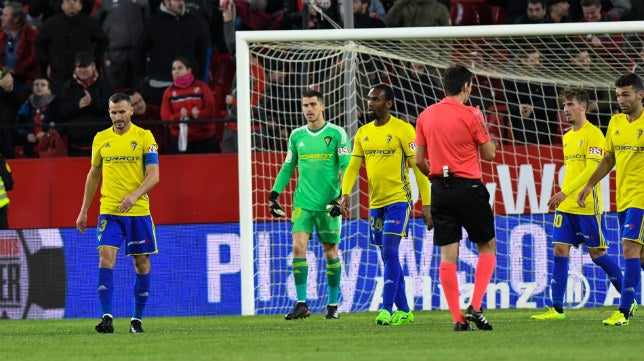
[(449, 136)]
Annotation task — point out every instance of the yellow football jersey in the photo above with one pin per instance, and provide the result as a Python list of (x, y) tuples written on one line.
[(579, 148), (386, 150), (122, 163), (626, 141)]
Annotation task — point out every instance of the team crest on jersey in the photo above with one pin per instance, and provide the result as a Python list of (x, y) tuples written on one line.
[(581, 142), (327, 140), (412, 146), (389, 139), (595, 151), (133, 144), (639, 133)]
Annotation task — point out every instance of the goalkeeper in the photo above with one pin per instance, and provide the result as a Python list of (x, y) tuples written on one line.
[(573, 225), (386, 144), (319, 150)]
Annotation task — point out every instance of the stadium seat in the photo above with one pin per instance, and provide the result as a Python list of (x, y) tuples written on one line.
[(471, 13)]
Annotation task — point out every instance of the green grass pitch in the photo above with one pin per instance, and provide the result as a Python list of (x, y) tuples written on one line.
[(353, 337)]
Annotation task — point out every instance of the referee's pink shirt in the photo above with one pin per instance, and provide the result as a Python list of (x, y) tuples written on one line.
[(452, 133)]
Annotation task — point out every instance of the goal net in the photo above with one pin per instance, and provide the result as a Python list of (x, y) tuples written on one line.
[(519, 72)]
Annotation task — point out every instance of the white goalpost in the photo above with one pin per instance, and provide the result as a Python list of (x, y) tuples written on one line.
[(519, 72)]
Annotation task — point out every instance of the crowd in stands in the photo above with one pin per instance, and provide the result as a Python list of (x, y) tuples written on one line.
[(60, 60)]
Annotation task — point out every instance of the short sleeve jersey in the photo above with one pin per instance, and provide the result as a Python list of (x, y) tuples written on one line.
[(319, 157), (452, 132), (580, 147), (386, 150), (626, 140), (121, 158)]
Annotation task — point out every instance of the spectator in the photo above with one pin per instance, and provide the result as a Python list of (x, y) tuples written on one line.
[(189, 99), (148, 116), (362, 19), (9, 104), (81, 105), (320, 14), (636, 13), (44, 9), (123, 22), (409, 13), (257, 15), (513, 8), (415, 90), (374, 9), (36, 115), (279, 110), (17, 52), (532, 105), (558, 10), (588, 65), (535, 13), (169, 34), (63, 36), (592, 10)]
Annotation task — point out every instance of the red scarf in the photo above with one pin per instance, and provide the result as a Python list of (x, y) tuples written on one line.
[(89, 83)]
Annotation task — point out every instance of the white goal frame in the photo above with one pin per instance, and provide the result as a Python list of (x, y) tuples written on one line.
[(243, 38)]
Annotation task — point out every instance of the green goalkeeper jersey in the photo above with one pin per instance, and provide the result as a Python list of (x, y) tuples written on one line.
[(319, 156)]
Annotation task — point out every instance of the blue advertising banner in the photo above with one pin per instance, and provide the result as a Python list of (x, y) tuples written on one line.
[(52, 273)]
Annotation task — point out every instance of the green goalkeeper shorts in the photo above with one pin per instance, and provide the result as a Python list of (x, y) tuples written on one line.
[(327, 227)]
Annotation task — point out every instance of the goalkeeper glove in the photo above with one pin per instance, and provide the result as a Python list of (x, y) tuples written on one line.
[(335, 207), (274, 206)]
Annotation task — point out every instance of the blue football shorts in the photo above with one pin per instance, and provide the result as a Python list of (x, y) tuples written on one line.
[(390, 219), (137, 232), (576, 229), (630, 224)]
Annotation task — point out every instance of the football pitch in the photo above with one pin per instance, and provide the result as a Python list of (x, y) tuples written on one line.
[(354, 337)]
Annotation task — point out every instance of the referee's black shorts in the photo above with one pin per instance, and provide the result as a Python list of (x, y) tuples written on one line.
[(462, 204)]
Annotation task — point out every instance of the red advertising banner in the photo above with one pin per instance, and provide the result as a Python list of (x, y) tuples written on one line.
[(204, 188)]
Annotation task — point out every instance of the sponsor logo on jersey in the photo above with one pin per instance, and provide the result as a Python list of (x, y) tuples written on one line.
[(122, 159), (632, 148), (412, 146), (380, 152), (153, 148), (316, 156), (343, 150), (289, 157), (595, 151)]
